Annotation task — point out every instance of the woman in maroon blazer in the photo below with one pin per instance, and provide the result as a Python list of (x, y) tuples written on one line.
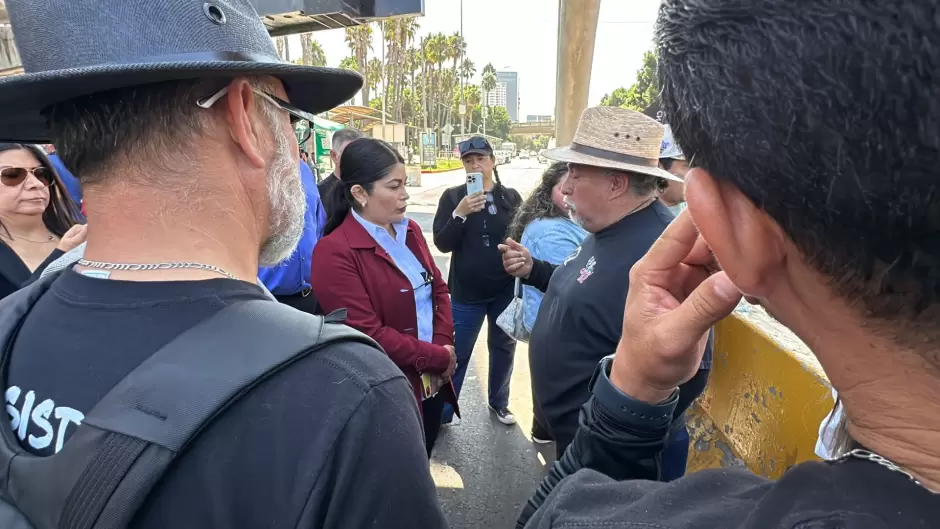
[(374, 262)]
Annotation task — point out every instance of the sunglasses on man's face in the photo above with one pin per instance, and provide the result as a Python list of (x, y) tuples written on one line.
[(14, 176), (473, 143)]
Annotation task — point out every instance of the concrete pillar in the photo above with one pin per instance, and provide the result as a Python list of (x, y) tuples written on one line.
[(577, 28)]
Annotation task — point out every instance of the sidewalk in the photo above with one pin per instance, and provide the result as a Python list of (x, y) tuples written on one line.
[(433, 185)]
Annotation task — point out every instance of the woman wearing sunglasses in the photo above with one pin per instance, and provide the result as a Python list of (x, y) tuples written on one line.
[(37, 218), (471, 227), (374, 262)]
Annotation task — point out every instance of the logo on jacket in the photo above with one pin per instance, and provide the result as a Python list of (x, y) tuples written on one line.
[(576, 253), (587, 270)]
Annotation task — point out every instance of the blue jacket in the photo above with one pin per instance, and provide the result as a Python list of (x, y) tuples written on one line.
[(293, 275), (71, 183)]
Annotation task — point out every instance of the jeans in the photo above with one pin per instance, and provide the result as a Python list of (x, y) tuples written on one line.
[(468, 320)]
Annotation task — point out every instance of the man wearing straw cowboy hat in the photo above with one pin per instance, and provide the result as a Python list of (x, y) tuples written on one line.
[(177, 117), (612, 187)]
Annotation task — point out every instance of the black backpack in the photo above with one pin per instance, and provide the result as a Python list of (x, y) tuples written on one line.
[(112, 461)]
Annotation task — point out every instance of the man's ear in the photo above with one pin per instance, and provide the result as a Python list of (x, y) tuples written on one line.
[(749, 245), (619, 184), (240, 104)]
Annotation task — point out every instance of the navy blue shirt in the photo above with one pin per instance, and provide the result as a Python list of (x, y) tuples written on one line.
[(293, 275)]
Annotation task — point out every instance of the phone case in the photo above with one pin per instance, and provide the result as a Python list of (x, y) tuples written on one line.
[(474, 183)]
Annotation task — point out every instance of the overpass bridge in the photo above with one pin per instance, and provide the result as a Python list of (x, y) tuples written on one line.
[(540, 128)]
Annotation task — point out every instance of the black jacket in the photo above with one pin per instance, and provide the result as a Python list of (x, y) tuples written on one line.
[(609, 475), (14, 273), (476, 269)]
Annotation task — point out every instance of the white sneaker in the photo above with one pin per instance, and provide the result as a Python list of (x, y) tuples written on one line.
[(504, 416)]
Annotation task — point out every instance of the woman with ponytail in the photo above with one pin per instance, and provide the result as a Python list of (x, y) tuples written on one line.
[(371, 255), (471, 227)]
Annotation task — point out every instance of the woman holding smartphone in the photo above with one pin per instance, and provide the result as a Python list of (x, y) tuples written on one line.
[(470, 226)]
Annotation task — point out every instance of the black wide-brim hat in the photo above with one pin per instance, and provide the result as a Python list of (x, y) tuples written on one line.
[(74, 48)]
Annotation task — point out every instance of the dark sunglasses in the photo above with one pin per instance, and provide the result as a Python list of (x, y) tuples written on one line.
[(14, 176), (473, 143)]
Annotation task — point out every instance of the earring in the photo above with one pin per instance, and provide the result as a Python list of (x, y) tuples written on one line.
[(363, 203)]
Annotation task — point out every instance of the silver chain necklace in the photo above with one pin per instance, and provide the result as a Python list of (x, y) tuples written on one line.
[(135, 267), (868, 455)]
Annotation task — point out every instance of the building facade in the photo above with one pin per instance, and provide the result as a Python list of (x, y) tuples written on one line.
[(506, 94)]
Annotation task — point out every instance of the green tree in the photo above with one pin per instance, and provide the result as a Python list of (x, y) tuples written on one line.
[(641, 93), (359, 40), (615, 99), (349, 63)]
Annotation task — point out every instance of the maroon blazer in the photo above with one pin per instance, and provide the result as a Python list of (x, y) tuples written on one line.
[(351, 271)]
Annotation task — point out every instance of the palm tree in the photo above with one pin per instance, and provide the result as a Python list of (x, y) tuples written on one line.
[(359, 40), (456, 51), (373, 76), (488, 84), (467, 71), (317, 55), (279, 42)]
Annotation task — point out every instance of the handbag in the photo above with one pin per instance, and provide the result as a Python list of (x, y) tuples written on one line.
[(512, 319)]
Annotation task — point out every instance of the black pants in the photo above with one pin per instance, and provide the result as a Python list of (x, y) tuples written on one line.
[(433, 410), (305, 303)]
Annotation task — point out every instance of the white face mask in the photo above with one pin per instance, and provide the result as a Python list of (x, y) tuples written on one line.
[(287, 201)]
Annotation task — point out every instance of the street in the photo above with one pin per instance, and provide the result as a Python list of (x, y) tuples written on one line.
[(485, 471)]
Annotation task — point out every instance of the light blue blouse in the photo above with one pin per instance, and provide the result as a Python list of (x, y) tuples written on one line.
[(409, 265), (552, 240)]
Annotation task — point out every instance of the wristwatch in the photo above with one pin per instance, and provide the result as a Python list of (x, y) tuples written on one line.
[(460, 217)]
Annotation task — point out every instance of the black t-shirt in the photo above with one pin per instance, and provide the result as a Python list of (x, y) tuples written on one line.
[(334, 441), (476, 268), (580, 319)]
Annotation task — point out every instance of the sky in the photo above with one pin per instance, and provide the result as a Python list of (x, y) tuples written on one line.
[(521, 36)]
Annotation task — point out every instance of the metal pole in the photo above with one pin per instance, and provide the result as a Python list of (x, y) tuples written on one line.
[(577, 29), (463, 100), (384, 80)]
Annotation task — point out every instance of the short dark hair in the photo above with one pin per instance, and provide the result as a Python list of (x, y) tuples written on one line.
[(146, 122), (344, 136), (150, 123), (365, 161), (826, 116)]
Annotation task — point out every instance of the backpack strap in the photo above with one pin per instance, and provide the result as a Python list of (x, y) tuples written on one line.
[(125, 444)]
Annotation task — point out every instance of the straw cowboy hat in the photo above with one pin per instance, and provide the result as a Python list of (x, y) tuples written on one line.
[(615, 138), (73, 48)]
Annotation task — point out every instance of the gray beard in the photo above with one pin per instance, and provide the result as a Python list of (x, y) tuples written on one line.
[(287, 201)]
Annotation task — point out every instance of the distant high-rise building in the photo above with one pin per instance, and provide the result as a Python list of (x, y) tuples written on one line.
[(506, 94), (511, 81), (537, 118)]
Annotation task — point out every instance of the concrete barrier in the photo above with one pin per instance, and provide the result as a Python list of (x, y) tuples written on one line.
[(765, 399)]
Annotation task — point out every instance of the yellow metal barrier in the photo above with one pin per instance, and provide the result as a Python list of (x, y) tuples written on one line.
[(765, 399)]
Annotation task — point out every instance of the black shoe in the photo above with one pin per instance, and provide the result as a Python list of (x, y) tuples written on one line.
[(539, 435), (504, 415)]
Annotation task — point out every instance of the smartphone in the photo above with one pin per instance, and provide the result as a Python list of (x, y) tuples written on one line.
[(474, 183)]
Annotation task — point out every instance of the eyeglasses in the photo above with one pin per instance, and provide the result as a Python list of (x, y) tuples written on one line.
[(14, 176), (476, 142), (296, 114)]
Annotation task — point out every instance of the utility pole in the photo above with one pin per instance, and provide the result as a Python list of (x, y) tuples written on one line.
[(384, 80), (463, 100)]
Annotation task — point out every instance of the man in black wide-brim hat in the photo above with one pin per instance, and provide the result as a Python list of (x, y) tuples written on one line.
[(176, 116)]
